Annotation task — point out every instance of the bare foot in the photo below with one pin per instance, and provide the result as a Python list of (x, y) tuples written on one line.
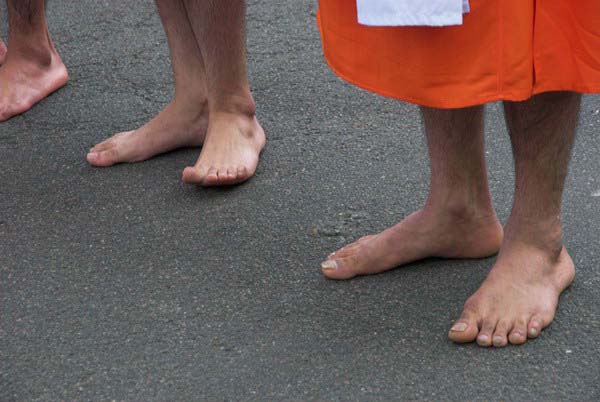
[(24, 83), (3, 51), (180, 124), (423, 234), (230, 152), (518, 298)]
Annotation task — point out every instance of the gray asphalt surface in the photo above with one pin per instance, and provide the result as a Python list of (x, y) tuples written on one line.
[(124, 284)]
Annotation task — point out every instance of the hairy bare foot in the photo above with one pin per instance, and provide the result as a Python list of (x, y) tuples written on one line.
[(230, 152), (3, 51), (425, 233), (180, 124), (24, 83), (518, 298)]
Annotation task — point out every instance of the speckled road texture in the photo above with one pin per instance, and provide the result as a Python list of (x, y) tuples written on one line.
[(124, 284)]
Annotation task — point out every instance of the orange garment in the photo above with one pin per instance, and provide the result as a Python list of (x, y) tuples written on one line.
[(505, 50)]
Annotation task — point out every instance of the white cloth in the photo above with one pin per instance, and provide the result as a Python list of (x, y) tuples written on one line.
[(411, 12)]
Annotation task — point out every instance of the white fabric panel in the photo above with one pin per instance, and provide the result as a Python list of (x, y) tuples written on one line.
[(411, 12)]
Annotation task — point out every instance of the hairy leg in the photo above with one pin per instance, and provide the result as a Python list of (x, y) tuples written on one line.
[(184, 121), (3, 48), (3, 51), (458, 219), (235, 138), (32, 69), (520, 295)]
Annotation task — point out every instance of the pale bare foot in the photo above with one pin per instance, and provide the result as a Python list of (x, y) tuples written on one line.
[(24, 83), (230, 152), (426, 233), (3, 51), (181, 124), (518, 299)]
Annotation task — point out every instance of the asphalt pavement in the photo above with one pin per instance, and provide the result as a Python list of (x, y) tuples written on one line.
[(125, 284)]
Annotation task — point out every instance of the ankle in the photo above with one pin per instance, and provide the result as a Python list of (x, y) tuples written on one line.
[(461, 208), (190, 105), (545, 235), (190, 94), (37, 54), (242, 105)]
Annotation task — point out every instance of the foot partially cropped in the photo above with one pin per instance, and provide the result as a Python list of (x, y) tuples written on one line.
[(230, 152), (518, 299), (23, 83), (3, 51), (181, 124), (425, 233)]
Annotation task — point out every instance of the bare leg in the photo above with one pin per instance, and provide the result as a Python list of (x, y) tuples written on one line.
[(458, 220), (3, 48), (520, 295), (234, 139), (32, 69), (184, 120), (3, 51)]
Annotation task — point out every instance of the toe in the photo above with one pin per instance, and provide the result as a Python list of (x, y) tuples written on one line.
[(350, 248), (223, 176), (211, 178), (103, 158), (242, 173), (226, 177), (102, 146), (535, 327), (194, 175), (346, 250), (110, 142), (518, 335), (500, 338), (465, 328), (343, 268), (485, 334), (231, 174)]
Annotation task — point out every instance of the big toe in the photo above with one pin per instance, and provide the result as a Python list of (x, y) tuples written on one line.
[(103, 158), (193, 175), (350, 249), (465, 329), (343, 268), (110, 142)]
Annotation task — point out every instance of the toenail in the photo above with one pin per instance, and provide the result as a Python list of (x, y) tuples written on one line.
[(498, 340), (93, 154), (533, 332), (482, 338), (329, 265), (459, 327)]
